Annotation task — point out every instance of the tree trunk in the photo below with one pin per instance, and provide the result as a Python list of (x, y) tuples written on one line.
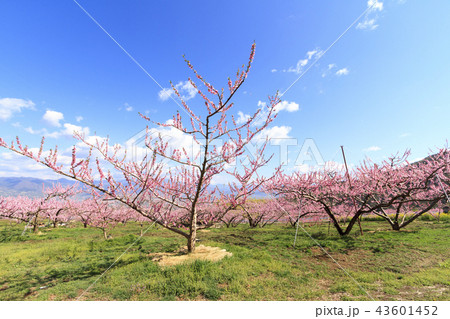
[(192, 233), (351, 224), (417, 215), (104, 234), (35, 224), (335, 221), (395, 226)]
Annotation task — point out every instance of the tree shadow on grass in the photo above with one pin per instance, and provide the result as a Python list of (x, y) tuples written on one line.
[(21, 287)]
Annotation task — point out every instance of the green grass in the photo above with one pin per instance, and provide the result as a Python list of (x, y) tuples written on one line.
[(59, 264)]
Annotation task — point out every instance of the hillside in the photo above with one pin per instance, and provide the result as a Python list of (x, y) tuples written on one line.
[(32, 187), (26, 186)]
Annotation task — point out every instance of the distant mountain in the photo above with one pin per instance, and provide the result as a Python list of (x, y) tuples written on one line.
[(226, 190), (32, 187), (27, 186)]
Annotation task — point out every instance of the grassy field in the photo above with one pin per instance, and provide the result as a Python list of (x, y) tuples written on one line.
[(59, 264)]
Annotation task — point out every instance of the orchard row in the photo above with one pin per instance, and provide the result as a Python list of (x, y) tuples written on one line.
[(173, 187)]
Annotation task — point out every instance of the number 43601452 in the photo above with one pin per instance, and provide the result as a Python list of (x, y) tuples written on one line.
[(407, 310)]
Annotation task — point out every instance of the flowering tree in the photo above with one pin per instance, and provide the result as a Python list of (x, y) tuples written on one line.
[(402, 192), (19, 208), (324, 192), (170, 194), (56, 198), (30, 210), (395, 185), (295, 209), (99, 211), (232, 218), (81, 211), (229, 207), (103, 213), (140, 219), (261, 212)]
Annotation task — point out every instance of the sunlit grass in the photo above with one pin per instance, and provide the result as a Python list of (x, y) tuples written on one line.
[(60, 263)]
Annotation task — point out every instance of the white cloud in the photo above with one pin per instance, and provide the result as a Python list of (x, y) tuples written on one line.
[(70, 129), (375, 4), (242, 118), (165, 94), (343, 71), (367, 25), (404, 135), (14, 165), (286, 106), (330, 70), (186, 89), (53, 118), (310, 54), (9, 106), (327, 71), (372, 149), (67, 130), (128, 107), (273, 70), (369, 22), (261, 103), (6, 155), (282, 106), (79, 118), (313, 54), (31, 131), (175, 138), (274, 133)]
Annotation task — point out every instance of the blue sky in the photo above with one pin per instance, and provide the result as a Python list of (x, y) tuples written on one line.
[(382, 88)]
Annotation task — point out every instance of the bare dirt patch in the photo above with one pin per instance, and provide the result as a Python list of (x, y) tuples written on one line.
[(201, 253), (422, 293), (352, 259)]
